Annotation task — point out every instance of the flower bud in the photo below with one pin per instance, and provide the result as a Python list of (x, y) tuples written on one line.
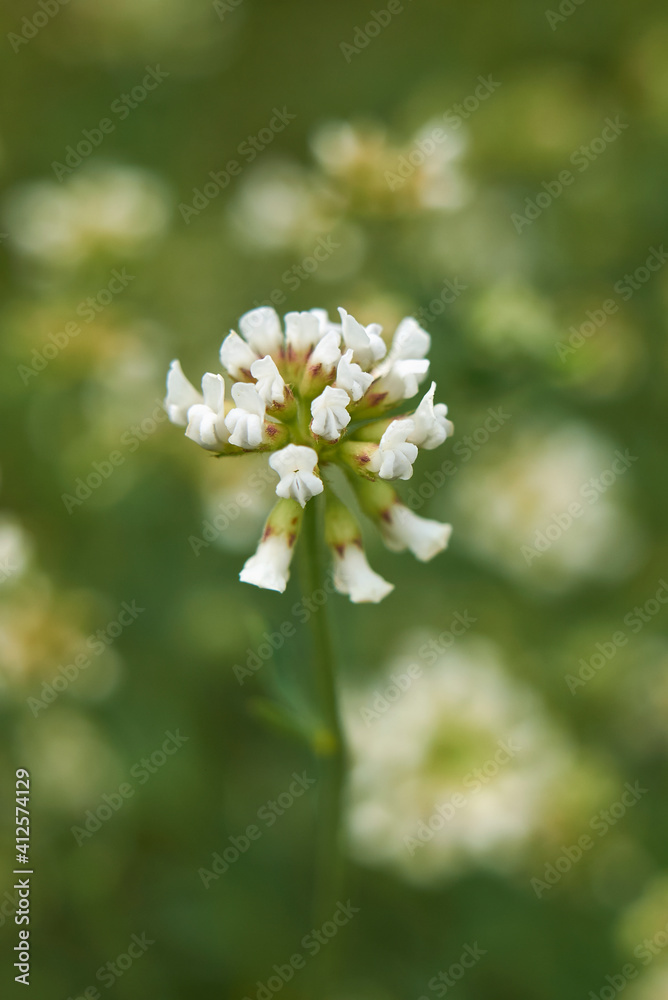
[(352, 574), (269, 568), (401, 527)]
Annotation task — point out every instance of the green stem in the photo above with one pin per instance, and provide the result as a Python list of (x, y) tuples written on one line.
[(330, 745)]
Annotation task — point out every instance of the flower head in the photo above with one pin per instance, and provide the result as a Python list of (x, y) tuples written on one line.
[(315, 393)]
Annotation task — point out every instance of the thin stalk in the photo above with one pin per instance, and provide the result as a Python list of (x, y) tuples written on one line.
[(330, 745)]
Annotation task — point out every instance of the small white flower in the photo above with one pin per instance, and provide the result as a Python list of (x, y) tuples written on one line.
[(404, 529), (349, 376), (295, 465), (15, 549), (366, 343), (246, 422), (206, 421), (262, 329), (327, 352), (269, 568), (270, 385), (410, 341), (431, 424), (329, 413), (302, 331), (403, 379), (324, 322), (236, 356), (181, 395), (354, 576), (395, 456)]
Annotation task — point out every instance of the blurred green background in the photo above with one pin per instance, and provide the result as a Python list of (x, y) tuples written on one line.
[(541, 308)]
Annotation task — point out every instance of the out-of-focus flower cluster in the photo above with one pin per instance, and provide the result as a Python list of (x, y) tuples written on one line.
[(110, 208), (360, 173), (549, 506), (40, 630), (457, 765)]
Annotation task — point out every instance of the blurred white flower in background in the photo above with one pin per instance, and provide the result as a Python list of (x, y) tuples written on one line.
[(509, 316), (181, 31), (514, 503), (373, 172), (235, 506), (643, 934), (462, 768), (43, 631), (15, 549), (281, 205), (359, 171), (646, 919), (640, 696), (73, 758), (107, 208), (42, 634), (651, 986), (649, 72), (442, 183)]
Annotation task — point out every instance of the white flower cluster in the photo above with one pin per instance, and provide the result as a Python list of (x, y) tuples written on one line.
[(107, 208), (454, 764), (537, 502), (315, 393)]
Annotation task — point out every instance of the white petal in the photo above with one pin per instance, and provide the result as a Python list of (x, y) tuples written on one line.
[(322, 317), (213, 391), (406, 530), (431, 426), (206, 420), (366, 344), (300, 487), (349, 376), (324, 322), (410, 341), (327, 352), (329, 413), (269, 568), (236, 356), (294, 465), (302, 331), (270, 385), (441, 414), (294, 458), (262, 329), (181, 395), (206, 428), (395, 456), (354, 576), (247, 398), (403, 379)]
